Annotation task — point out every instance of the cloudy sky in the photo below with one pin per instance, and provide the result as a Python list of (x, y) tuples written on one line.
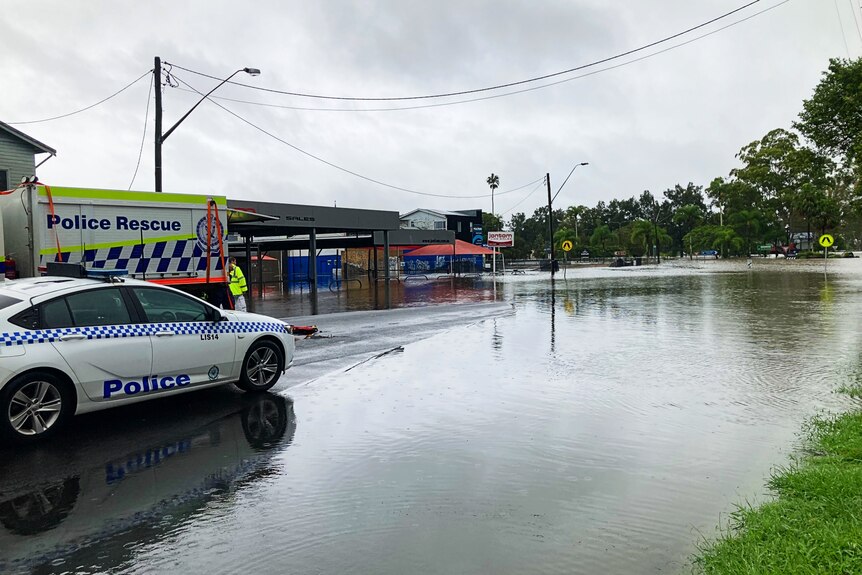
[(676, 117)]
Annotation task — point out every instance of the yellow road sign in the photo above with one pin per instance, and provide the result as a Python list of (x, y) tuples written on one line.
[(826, 240), (567, 245)]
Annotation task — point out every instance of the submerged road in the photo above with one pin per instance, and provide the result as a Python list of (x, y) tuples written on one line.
[(604, 424), (349, 338)]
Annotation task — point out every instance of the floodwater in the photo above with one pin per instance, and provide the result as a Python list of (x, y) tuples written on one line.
[(605, 425)]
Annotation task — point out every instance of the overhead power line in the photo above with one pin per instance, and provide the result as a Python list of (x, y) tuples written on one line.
[(841, 24), (855, 19), (513, 92), (144, 135), (524, 199), (489, 88), (102, 101), (340, 168)]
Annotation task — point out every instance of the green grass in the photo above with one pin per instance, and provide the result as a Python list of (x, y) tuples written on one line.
[(814, 524)]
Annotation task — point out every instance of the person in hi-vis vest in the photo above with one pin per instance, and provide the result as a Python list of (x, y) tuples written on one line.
[(238, 286)]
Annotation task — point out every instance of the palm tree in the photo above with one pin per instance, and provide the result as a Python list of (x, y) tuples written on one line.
[(601, 237), (751, 221), (642, 232), (493, 181), (724, 236)]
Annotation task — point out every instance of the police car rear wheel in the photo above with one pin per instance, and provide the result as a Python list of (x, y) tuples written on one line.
[(262, 367), (34, 406)]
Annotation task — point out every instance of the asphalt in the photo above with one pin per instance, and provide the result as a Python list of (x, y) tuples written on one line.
[(346, 339)]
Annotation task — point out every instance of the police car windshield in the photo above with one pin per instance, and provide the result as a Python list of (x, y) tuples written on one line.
[(6, 301)]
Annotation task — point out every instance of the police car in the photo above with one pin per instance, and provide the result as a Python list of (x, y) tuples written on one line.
[(71, 345)]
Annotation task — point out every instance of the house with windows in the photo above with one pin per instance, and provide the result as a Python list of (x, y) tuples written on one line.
[(462, 222), (18, 153)]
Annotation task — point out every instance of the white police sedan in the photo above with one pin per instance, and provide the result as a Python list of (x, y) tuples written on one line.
[(75, 345)]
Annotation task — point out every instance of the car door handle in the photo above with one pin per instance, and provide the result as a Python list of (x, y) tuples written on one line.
[(163, 333), (72, 337)]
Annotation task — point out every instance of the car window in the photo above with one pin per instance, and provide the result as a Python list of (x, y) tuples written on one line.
[(55, 313), (163, 306), (98, 307), (29, 318)]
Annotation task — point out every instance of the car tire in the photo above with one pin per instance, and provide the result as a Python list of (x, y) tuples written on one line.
[(34, 406), (262, 366)]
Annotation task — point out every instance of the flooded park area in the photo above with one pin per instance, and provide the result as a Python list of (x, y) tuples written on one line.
[(607, 421)]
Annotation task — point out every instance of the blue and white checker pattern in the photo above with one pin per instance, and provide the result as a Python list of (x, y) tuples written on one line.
[(140, 329), (184, 256)]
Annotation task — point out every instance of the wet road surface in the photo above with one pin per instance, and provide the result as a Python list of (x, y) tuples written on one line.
[(604, 426)]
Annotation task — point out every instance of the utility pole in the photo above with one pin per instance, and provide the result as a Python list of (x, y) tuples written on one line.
[(161, 137), (550, 221), (157, 83)]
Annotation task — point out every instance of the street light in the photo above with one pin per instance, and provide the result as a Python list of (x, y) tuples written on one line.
[(551, 209), (160, 138)]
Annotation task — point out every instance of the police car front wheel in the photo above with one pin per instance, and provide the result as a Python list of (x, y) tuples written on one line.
[(34, 406), (263, 365)]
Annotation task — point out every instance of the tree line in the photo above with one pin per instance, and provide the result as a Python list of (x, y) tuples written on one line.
[(804, 179)]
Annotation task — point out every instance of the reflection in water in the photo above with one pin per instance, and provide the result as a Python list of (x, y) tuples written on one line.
[(416, 291), (88, 501)]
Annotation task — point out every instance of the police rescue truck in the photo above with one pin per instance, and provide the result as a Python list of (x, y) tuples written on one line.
[(166, 238)]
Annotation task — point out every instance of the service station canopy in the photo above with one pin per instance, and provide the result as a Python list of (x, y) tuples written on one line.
[(364, 227)]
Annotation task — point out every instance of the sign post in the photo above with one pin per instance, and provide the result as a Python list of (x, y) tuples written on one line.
[(826, 241), (567, 247), (499, 240)]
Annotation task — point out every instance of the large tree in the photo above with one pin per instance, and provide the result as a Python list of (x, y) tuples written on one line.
[(686, 218), (832, 117)]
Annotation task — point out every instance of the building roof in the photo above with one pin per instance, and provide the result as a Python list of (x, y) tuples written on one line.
[(460, 248), (441, 213), (39, 147)]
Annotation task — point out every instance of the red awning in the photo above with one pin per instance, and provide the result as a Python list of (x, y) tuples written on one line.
[(462, 248)]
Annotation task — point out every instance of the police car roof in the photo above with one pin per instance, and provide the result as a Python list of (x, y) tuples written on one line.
[(32, 287)]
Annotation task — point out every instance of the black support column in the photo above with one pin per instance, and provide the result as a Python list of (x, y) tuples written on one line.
[(386, 272), (312, 269), (249, 300)]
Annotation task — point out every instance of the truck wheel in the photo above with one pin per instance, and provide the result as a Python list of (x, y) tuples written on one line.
[(262, 366), (34, 406)]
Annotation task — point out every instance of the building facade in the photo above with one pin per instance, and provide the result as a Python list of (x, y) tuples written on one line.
[(18, 153), (462, 222)]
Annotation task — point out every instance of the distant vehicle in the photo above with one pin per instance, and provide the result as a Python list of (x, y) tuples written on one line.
[(70, 345)]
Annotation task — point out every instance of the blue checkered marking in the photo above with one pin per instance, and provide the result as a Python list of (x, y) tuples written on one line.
[(139, 329), (186, 256)]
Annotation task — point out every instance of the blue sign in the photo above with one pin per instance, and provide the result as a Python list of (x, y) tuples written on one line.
[(478, 238)]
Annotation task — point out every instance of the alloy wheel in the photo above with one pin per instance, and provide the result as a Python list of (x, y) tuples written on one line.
[(35, 408)]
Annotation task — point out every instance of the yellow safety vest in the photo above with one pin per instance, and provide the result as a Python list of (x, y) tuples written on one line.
[(237, 282)]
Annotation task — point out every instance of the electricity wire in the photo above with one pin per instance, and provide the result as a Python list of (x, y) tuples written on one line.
[(841, 24), (524, 199), (144, 135), (489, 88), (510, 93), (340, 168), (102, 101), (855, 19)]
